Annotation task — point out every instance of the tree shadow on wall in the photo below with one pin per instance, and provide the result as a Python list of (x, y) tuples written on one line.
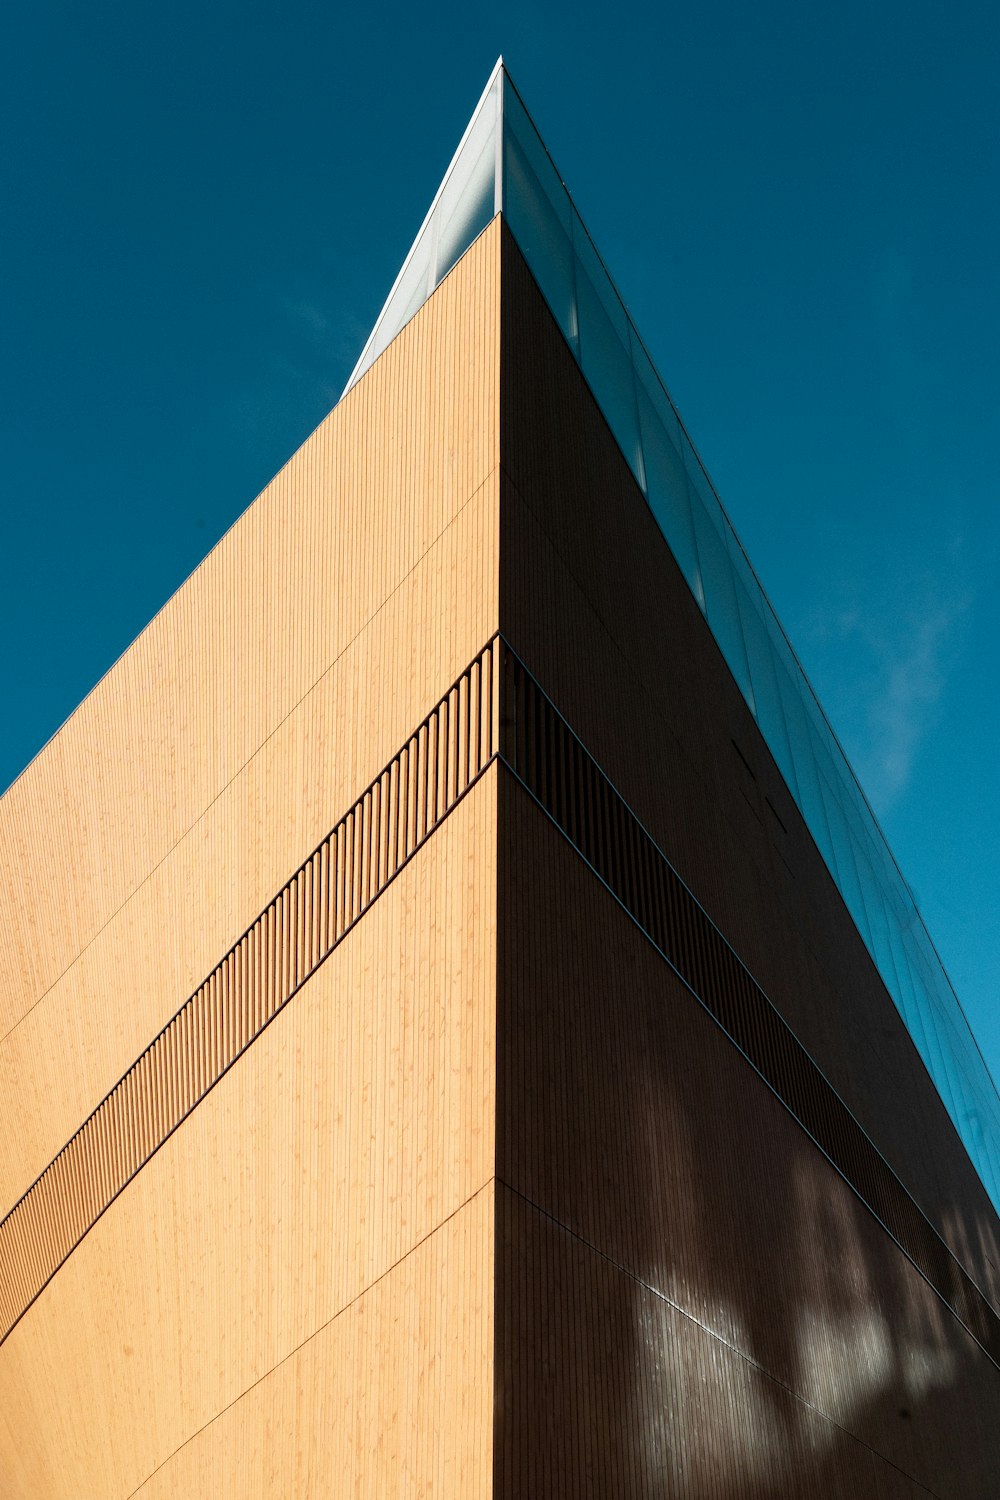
[(690, 1300)]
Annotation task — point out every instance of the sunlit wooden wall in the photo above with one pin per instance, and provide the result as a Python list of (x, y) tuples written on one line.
[(316, 1237), (491, 1204), (268, 691)]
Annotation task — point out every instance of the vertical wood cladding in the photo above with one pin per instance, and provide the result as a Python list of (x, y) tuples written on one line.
[(297, 1293), (309, 916), (268, 690), (552, 764), (690, 1299), (640, 1401), (367, 1394), (300, 1277), (230, 862), (593, 603)]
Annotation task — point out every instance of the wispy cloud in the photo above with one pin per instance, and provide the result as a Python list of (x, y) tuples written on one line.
[(911, 678), (321, 335), (891, 647), (301, 310), (299, 362)]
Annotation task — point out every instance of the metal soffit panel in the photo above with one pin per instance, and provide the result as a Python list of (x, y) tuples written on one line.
[(503, 166)]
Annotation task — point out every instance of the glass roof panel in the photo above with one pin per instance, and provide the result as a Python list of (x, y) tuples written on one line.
[(466, 201), (503, 165)]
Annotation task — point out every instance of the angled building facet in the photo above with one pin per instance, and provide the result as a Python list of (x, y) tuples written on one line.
[(463, 1030)]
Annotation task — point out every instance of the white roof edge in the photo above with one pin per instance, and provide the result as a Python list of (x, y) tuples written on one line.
[(497, 72)]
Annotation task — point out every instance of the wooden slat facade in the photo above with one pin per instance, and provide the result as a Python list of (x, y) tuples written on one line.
[(594, 604), (471, 1148), (314, 912), (263, 697), (563, 780), (355, 1136), (691, 1298), (330, 1199)]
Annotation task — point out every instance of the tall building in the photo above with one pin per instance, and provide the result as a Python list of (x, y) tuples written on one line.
[(463, 1032)]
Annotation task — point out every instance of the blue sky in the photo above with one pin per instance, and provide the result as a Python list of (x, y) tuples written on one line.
[(205, 205)]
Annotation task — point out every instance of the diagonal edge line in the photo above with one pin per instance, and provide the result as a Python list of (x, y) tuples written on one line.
[(334, 1317), (713, 1333), (485, 653), (253, 754), (633, 917)]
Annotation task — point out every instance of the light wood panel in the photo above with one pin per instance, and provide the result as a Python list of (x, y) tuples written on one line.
[(393, 1397), (232, 653), (315, 910), (112, 1001), (356, 1124)]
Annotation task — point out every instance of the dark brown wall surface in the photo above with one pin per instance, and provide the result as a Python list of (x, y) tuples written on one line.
[(690, 1299), (594, 603)]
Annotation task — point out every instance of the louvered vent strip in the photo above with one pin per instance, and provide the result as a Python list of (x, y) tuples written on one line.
[(306, 920)]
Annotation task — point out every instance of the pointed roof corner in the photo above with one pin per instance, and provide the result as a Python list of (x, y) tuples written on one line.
[(471, 193), (502, 165)]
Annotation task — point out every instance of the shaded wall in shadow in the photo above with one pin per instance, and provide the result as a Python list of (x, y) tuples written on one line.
[(595, 605), (690, 1299)]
